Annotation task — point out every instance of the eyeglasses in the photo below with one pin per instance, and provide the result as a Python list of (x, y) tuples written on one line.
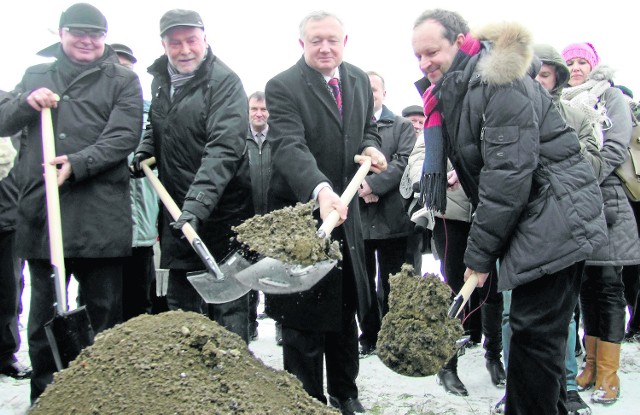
[(81, 33)]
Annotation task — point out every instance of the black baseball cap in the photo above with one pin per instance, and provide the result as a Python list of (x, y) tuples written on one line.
[(179, 17), (124, 50), (412, 110), (83, 16)]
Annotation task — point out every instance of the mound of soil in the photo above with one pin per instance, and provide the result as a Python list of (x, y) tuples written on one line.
[(288, 235), (417, 338), (173, 363)]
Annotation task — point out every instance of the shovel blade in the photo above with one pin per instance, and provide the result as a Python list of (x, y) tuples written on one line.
[(214, 290), (276, 277), (69, 333)]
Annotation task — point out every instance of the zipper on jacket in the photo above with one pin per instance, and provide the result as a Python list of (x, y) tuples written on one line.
[(482, 143)]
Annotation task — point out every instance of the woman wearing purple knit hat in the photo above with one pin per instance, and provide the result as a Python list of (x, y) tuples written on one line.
[(601, 296)]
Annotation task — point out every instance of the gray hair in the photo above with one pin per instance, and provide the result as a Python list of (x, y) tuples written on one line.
[(452, 22), (316, 16), (258, 96)]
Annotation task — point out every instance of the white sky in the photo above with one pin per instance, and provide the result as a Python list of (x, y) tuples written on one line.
[(259, 39)]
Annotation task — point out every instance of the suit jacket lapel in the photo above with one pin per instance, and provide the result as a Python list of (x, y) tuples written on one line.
[(315, 82), (347, 81)]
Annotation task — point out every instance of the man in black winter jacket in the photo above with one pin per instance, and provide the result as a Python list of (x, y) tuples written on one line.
[(197, 132), (97, 123), (538, 207)]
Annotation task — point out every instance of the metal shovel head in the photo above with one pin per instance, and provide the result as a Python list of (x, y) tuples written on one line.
[(68, 334), (276, 277), (215, 290)]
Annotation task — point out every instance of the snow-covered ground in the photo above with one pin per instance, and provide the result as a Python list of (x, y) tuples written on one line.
[(382, 391)]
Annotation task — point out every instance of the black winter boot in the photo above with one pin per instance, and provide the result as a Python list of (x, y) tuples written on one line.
[(492, 328), (448, 378)]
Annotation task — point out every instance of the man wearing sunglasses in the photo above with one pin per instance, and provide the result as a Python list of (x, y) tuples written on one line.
[(96, 108)]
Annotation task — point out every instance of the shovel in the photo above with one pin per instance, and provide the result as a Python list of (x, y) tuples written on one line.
[(463, 296), (69, 331), (276, 277), (216, 285)]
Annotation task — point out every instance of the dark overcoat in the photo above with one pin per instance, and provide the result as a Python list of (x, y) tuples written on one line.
[(312, 143), (97, 123), (198, 137)]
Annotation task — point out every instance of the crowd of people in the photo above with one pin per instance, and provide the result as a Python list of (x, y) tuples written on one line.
[(507, 173)]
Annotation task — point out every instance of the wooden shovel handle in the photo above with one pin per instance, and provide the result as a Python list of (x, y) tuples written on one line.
[(53, 210), (333, 217), (165, 197), (175, 212), (467, 290)]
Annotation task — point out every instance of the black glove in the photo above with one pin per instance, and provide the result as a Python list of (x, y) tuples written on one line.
[(135, 168), (185, 217)]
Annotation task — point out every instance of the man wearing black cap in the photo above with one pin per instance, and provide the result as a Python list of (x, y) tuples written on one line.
[(97, 116), (125, 55), (198, 125), (415, 114)]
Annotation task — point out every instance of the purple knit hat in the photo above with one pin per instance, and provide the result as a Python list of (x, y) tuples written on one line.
[(582, 50)]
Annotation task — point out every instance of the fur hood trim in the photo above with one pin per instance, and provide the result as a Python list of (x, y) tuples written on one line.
[(510, 55), (602, 73)]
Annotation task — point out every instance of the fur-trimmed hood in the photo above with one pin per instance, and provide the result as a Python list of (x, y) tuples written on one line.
[(602, 73), (510, 55)]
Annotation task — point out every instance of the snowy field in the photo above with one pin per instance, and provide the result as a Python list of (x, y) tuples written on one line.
[(381, 390)]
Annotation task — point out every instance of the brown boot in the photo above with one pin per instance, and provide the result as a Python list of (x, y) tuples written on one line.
[(587, 378), (607, 381)]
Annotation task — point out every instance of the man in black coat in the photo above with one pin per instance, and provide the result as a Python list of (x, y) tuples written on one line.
[(197, 131), (97, 123), (537, 204), (321, 113)]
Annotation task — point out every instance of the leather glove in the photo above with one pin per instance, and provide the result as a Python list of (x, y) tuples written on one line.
[(185, 217), (135, 166)]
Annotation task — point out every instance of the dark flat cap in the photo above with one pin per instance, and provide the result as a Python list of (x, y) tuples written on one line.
[(179, 17), (83, 16), (412, 110), (124, 50)]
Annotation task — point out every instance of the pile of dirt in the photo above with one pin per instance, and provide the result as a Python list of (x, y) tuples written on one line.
[(173, 363), (288, 235), (417, 338)]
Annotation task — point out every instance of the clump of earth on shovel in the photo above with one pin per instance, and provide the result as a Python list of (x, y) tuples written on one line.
[(417, 338), (173, 363), (288, 235)]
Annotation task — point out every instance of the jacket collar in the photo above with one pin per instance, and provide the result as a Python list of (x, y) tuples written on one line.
[(386, 117)]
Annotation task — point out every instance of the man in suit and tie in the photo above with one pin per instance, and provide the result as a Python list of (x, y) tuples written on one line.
[(320, 117)]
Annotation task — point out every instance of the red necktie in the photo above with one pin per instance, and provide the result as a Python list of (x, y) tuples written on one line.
[(335, 87)]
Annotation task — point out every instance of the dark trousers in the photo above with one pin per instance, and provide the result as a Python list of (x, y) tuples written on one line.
[(232, 315), (383, 257), (304, 351), (254, 300), (10, 293), (483, 311), (418, 244), (100, 288), (138, 272), (602, 303), (631, 281), (540, 313)]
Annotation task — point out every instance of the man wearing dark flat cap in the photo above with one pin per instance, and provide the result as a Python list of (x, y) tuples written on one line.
[(197, 130), (96, 107)]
